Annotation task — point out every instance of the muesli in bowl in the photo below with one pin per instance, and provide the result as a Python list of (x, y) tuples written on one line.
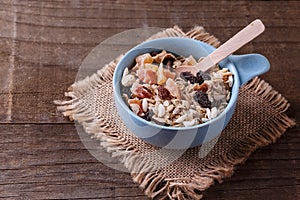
[(177, 112), (155, 92)]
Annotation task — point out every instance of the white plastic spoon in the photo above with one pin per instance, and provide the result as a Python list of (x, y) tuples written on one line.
[(233, 44)]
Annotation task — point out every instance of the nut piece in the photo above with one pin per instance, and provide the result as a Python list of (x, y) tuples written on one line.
[(161, 110), (166, 103), (181, 119), (170, 108), (213, 113), (145, 105), (190, 123), (128, 80), (176, 111)]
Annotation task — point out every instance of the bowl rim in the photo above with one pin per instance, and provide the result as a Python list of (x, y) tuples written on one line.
[(225, 62)]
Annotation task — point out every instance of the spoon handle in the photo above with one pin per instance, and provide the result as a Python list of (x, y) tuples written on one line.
[(233, 44)]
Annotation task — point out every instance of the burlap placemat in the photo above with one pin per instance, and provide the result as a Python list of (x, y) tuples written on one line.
[(259, 120)]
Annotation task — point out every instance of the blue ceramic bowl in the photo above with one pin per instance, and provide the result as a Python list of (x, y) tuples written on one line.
[(244, 68)]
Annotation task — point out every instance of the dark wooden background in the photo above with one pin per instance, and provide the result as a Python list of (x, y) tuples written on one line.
[(42, 44)]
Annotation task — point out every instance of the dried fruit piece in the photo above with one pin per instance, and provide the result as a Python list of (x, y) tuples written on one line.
[(147, 76), (161, 78), (136, 106), (145, 58), (153, 67), (199, 79), (202, 99), (163, 93), (142, 92), (134, 101), (188, 76), (203, 87), (173, 89), (169, 74)]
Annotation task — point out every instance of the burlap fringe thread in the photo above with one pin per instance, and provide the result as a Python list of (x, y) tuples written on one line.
[(154, 184)]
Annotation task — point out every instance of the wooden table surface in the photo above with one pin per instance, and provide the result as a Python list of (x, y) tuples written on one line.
[(42, 44)]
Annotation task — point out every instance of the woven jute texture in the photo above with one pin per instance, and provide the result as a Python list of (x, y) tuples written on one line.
[(259, 120)]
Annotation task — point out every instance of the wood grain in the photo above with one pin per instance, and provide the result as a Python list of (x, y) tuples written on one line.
[(42, 44)]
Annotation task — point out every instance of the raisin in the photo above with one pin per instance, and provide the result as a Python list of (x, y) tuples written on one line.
[(203, 75), (199, 79), (188, 76), (163, 93), (202, 99)]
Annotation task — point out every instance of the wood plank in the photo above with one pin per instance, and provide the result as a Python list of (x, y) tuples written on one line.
[(283, 192), (51, 162), (55, 164)]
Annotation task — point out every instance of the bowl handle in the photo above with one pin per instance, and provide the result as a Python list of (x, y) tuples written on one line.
[(249, 66)]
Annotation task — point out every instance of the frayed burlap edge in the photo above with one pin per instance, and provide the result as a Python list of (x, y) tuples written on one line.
[(154, 183)]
